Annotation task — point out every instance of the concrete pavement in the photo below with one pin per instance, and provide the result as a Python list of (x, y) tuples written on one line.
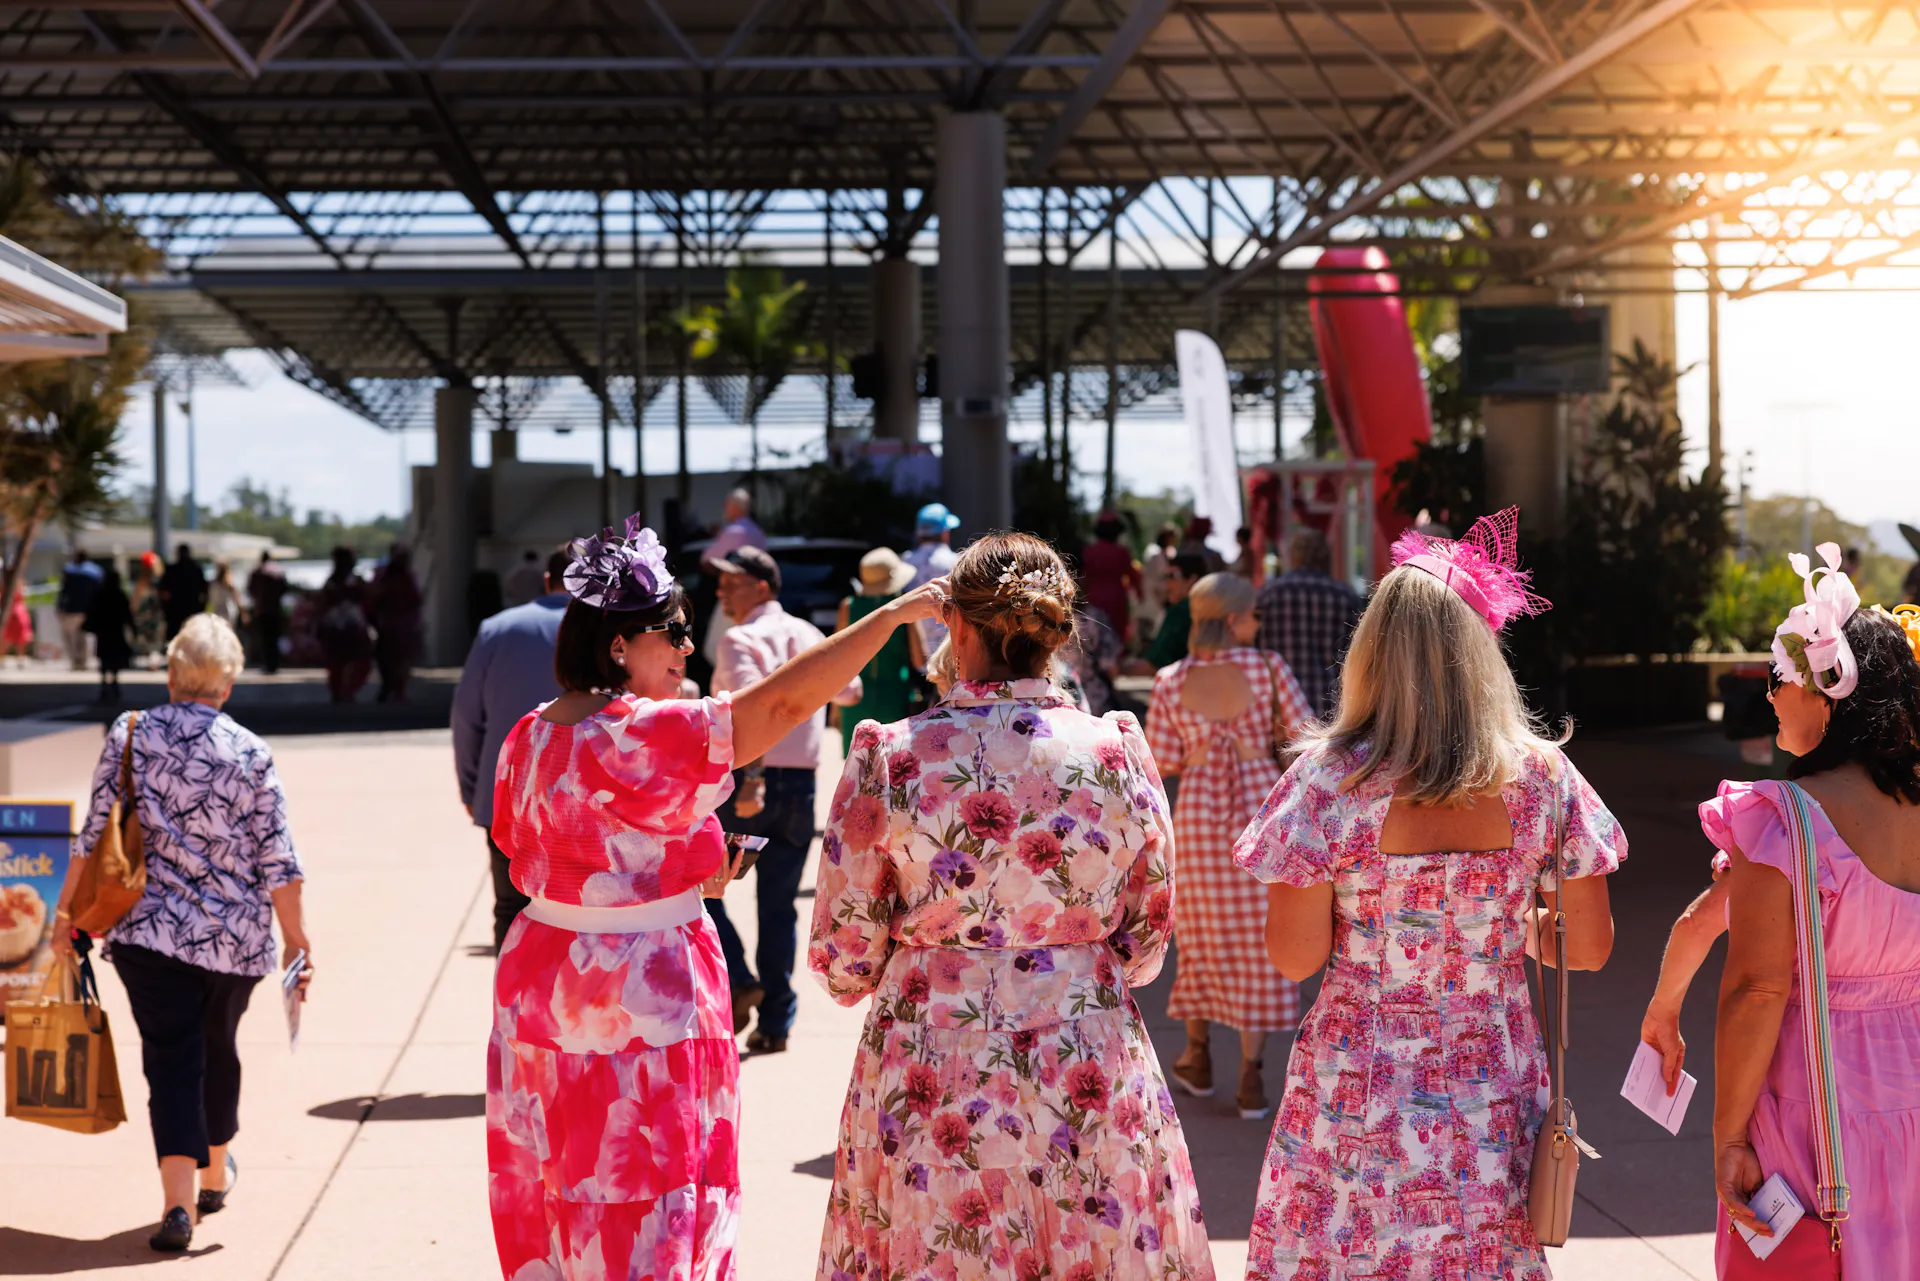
[(363, 1153)]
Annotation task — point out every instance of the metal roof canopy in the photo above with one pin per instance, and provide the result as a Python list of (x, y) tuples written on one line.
[(1555, 140), (1601, 118), (48, 312)]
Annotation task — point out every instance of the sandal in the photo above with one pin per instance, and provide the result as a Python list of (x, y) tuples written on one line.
[(1251, 1098), (1193, 1070)]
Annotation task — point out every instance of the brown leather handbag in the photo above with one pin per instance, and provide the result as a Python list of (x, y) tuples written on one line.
[(1557, 1152), (115, 874)]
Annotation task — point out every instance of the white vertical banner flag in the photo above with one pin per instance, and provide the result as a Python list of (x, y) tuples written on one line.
[(1207, 406)]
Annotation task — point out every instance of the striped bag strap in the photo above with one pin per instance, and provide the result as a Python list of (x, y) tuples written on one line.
[(1832, 1193)]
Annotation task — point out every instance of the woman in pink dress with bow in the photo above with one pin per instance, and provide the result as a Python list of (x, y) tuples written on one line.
[(612, 1101), (1847, 691)]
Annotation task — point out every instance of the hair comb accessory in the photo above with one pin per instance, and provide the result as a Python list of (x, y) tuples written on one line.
[(1020, 588), (1482, 569), (1810, 649), (609, 571)]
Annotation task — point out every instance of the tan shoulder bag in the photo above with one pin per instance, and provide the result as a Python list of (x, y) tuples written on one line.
[(1557, 1152), (115, 874)]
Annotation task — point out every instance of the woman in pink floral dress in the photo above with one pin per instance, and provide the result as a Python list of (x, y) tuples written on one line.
[(612, 1107), (995, 876), (1402, 851)]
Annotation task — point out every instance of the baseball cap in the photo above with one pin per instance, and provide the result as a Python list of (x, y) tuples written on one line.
[(754, 563), (934, 518)]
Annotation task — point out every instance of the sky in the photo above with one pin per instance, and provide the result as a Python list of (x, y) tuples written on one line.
[(1818, 396)]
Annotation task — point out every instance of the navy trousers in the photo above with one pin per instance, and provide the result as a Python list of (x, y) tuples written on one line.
[(787, 823), (187, 1018)]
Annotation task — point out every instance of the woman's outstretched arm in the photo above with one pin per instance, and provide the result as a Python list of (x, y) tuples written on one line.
[(767, 710), (1688, 943), (1753, 1000)]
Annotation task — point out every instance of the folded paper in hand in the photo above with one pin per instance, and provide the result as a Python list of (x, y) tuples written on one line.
[(290, 996), (1780, 1208), (1646, 1089)]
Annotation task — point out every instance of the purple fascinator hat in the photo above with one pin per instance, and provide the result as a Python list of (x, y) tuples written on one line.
[(613, 572)]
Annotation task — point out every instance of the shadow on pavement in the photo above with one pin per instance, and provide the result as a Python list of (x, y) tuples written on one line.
[(1649, 1183), (37, 1254), (403, 1107)]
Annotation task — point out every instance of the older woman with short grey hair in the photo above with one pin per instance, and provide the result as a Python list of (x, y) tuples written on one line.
[(220, 866)]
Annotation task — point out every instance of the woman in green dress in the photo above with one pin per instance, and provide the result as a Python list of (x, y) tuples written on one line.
[(887, 682)]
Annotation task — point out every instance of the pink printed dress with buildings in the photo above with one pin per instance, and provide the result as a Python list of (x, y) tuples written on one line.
[(1404, 1140)]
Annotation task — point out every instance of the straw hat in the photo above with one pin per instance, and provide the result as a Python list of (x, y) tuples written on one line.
[(883, 573)]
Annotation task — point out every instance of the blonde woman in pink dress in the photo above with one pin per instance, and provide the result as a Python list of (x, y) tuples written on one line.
[(1219, 720), (995, 876), (1847, 691), (612, 1101), (1402, 851)]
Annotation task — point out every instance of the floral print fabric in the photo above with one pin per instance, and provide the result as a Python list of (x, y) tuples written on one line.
[(1404, 1141), (612, 1080), (615, 810), (995, 873), (213, 819)]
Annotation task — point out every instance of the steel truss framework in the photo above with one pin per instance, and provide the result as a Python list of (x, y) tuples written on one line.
[(1187, 146)]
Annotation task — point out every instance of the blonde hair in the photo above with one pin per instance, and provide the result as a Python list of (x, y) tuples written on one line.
[(205, 659), (942, 670), (1214, 601), (1426, 694), (1014, 590)]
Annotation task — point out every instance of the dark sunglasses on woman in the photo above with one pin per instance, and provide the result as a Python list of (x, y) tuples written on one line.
[(679, 632)]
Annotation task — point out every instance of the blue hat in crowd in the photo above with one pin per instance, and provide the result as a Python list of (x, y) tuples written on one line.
[(934, 518)]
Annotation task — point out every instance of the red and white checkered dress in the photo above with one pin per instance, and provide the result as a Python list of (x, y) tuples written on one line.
[(1219, 912)]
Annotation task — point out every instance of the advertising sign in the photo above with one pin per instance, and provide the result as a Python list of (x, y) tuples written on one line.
[(34, 848), (1208, 409)]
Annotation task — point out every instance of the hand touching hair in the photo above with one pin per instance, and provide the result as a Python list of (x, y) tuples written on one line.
[(1014, 591)]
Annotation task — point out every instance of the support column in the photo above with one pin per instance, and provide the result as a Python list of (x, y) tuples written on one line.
[(971, 184), (1526, 452), (897, 344), (685, 489), (832, 327), (1714, 443), (505, 445), (1107, 490), (162, 511), (452, 522)]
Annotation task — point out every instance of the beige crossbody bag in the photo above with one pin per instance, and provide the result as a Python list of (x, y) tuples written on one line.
[(1557, 1152)]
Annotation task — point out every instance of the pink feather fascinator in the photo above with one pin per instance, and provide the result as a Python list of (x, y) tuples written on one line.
[(1482, 569)]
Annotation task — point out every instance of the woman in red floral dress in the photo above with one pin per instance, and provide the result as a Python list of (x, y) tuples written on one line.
[(612, 1107)]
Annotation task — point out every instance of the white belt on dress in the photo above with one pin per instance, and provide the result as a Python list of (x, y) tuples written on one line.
[(631, 918)]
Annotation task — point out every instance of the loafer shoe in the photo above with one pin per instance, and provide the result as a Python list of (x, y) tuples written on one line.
[(761, 1043), (176, 1231), (213, 1202)]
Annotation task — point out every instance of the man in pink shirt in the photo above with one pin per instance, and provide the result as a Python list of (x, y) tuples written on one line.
[(773, 796)]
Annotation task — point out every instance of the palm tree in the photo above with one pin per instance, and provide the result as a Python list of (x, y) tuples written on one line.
[(755, 335)]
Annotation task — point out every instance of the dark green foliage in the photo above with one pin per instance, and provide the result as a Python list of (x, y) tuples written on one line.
[(1044, 505), (826, 500), (1643, 540), (1445, 479)]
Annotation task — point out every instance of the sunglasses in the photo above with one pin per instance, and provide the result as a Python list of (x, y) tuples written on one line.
[(679, 632)]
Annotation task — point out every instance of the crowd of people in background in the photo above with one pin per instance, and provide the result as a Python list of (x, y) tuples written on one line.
[(358, 625), (1054, 772)]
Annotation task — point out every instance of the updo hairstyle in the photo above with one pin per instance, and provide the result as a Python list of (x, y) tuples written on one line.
[(1214, 600), (1878, 725), (1014, 591), (583, 652)]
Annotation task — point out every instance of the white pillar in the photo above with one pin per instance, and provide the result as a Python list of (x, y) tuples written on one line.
[(897, 342), (453, 532), (975, 466)]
